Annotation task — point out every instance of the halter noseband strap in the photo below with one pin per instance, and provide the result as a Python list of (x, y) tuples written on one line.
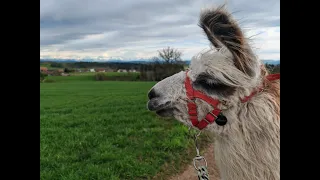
[(192, 107)]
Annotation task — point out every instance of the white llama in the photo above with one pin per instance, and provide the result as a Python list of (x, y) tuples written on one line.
[(247, 146)]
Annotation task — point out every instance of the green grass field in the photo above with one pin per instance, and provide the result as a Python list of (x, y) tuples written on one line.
[(102, 130)]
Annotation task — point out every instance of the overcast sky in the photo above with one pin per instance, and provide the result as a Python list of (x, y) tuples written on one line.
[(132, 29)]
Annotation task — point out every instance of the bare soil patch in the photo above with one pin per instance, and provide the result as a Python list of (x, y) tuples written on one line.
[(191, 174)]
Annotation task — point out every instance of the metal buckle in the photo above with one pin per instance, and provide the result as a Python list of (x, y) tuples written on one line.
[(199, 158)]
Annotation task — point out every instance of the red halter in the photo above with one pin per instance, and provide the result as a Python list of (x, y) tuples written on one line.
[(213, 115)]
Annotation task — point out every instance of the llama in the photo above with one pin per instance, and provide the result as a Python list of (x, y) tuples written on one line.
[(247, 145)]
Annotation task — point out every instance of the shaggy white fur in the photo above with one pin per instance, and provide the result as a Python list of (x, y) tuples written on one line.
[(248, 146)]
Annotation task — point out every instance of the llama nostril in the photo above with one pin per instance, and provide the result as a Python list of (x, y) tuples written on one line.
[(152, 94)]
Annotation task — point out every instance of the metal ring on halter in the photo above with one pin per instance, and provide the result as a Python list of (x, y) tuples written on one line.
[(196, 136), (198, 158)]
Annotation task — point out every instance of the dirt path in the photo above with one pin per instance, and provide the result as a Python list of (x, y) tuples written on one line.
[(191, 174)]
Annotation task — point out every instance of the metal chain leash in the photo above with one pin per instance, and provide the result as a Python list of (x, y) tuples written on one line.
[(202, 170)]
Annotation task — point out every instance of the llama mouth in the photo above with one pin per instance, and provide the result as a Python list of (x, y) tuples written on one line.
[(153, 105), (168, 112)]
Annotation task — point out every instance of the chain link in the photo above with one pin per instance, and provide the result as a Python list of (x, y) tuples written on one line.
[(202, 170)]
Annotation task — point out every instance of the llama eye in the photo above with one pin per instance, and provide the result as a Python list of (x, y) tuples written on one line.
[(212, 85)]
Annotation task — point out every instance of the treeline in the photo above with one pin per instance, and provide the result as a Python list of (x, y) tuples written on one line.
[(167, 63), (273, 68), (87, 65)]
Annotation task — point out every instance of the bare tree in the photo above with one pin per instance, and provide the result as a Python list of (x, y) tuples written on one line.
[(170, 55)]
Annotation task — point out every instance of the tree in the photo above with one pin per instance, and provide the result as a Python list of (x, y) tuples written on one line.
[(56, 64), (67, 70), (42, 76), (170, 55), (167, 63), (273, 68)]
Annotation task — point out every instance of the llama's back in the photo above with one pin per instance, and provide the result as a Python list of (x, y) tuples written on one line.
[(273, 89), (251, 149)]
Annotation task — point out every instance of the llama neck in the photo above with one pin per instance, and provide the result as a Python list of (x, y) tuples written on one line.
[(250, 147)]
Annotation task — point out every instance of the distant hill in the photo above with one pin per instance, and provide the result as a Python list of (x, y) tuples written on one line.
[(271, 62), (91, 60), (140, 61)]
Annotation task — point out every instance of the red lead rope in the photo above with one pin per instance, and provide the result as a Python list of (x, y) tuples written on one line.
[(211, 116)]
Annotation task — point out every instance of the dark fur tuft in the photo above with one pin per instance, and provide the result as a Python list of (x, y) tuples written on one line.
[(211, 85), (221, 29)]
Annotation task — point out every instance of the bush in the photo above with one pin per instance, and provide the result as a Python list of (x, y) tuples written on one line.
[(158, 72), (42, 76), (100, 76), (67, 70)]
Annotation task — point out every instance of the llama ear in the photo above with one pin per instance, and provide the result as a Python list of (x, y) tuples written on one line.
[(222, 30), (212, 85)]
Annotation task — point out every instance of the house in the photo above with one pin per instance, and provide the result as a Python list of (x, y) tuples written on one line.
[(60, 70), (43, 69), (132, 70), (92, 70), (122, 70), (100, 70)]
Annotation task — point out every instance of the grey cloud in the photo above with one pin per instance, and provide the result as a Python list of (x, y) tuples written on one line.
[(97, 20), (66, 22)]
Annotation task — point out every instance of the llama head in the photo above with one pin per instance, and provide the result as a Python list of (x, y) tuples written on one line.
[(226, 73)]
